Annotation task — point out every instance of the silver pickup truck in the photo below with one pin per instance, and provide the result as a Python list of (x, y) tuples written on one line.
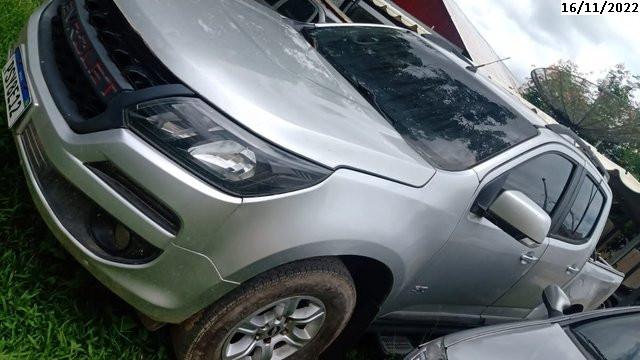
[(266, 184)]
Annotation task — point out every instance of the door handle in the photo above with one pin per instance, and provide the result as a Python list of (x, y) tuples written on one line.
[(572, 269), (528, 258)]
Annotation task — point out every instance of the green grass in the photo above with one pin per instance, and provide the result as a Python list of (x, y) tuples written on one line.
[(50, 307)]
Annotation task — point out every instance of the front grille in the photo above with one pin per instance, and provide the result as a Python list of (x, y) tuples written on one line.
[(99, 55), (125, 48), (73, 209), (87, 103)]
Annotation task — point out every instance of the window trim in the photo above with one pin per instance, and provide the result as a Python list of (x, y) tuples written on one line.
[(555, 227), (568, 193), (575, 173)]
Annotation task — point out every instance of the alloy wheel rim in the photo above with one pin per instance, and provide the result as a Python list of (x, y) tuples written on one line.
[(276, 331)]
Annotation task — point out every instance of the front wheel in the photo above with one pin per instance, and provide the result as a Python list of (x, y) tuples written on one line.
[(298, 308)]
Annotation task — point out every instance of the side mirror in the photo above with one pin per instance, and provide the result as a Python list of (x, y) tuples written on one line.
[(522, 214), (555, 300)]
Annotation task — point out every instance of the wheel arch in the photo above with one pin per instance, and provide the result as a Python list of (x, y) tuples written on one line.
[(374, 282), (377, 273), (351, 252)]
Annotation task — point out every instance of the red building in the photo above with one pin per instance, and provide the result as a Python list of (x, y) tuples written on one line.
[(435, 14)]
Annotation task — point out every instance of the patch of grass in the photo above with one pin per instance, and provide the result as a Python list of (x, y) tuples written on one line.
[(50, 307)]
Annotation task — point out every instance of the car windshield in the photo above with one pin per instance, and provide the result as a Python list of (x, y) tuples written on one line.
[(442, 110), (614, 338)]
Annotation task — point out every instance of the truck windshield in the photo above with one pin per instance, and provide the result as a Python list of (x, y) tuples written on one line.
[(442, 110), (613, 338)]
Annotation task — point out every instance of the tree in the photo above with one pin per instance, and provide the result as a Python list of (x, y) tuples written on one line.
[(605, 113), (530, 92)]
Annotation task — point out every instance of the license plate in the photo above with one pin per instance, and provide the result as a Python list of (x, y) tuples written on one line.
[(17, 96)]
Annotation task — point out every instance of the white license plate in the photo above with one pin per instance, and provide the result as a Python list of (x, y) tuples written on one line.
[(17, 96)]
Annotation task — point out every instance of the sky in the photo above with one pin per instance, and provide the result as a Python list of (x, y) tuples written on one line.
[(535, 34)]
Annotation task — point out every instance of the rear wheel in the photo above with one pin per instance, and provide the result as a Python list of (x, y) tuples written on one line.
[(294, 311)]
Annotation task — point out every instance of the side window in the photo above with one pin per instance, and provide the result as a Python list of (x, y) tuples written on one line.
[(359, 14), (543, 179), (299, 10), (584, 213)]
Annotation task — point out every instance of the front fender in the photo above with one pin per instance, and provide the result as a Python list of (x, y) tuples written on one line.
[(351, 213), (387, 256)]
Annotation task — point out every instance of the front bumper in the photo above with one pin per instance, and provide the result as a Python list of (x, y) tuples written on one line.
[(176, 284)]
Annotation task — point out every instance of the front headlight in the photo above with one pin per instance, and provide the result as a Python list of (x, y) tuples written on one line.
[(219, 151), (433, 350)]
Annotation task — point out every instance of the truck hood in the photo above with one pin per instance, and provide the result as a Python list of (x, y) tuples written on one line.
[(533, 342), (253, 65)]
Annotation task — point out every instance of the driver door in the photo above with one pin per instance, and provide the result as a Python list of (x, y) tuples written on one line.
[(571, 243), (483, 259)]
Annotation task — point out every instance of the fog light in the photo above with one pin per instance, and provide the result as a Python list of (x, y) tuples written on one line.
[(118, 241), (121, 237), (103, 229)]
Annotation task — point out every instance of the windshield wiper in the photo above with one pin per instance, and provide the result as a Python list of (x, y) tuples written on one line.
[(589, 345)]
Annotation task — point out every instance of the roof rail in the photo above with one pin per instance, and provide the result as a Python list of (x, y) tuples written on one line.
[(580, 144)]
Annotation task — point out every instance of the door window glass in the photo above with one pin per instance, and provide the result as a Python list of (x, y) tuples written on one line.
[(614, 338), (543, 179), (584, 213), (300, 10), (360, 15)]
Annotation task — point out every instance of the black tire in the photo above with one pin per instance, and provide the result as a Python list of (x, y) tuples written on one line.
[(203, 335)]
